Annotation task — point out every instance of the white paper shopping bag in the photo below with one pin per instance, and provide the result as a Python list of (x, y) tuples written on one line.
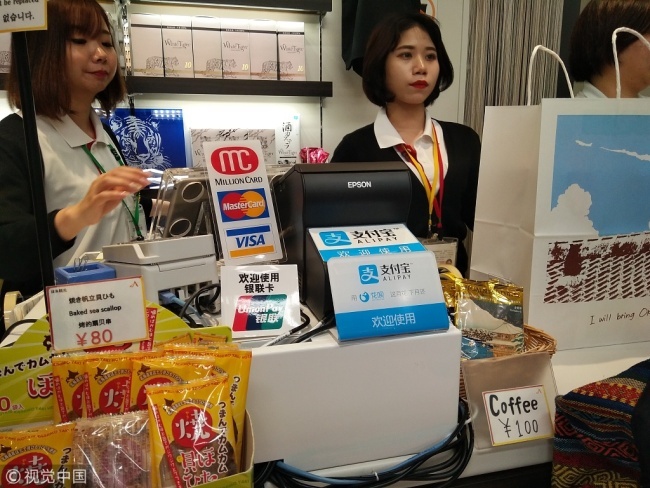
[(562, 211)]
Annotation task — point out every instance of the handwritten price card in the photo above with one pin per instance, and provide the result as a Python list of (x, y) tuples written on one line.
[(96, 314), (518, 415)]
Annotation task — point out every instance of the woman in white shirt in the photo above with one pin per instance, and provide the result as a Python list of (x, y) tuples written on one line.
[(91, 196)]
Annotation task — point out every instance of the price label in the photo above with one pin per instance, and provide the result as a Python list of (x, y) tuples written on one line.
[(96, 314), (23, 15), (518, 415)]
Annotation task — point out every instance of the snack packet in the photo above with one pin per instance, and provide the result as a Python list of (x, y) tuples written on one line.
[(68, 377), (37, 457), (106, 387), (201, 338), (191, 433), (164, 370), (113, 451)]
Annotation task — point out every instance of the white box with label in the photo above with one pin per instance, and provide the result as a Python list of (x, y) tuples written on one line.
[(177, 46), (146, 45), (264, 50), (291, 50), (235, 48), (206, 44)]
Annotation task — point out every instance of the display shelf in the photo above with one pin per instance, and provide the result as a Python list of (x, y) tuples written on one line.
[(205, 86), (314, 6)]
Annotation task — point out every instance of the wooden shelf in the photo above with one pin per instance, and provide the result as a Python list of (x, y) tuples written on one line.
[(309, 6), (206, 86)]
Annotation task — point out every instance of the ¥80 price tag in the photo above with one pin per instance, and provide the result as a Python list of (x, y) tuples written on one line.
[(518, 415), (98, 313)]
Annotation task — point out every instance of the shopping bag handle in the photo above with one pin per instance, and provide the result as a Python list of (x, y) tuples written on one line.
[(539, 47), (618, 70)]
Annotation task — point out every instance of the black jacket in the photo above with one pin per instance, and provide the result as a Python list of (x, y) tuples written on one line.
[(461, 181)]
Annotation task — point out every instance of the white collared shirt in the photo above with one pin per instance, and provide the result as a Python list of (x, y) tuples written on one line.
[(589, 91), (387, 136), (69, 173)]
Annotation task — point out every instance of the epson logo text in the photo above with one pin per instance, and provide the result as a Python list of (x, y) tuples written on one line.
[(234, 160), (359, 184)]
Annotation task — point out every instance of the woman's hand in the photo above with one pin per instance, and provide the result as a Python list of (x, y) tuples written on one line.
[(105, 193)]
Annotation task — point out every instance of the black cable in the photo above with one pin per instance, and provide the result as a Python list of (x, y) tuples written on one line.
[(262, 473), (14, 325), (440, 475), (208, 303), (327, 323), (183, 313)]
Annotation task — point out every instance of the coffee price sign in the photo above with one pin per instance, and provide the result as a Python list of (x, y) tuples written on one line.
[(518, 415)]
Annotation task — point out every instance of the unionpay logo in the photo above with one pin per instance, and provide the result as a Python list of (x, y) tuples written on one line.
[(368, 274), (243, 205), (259, 312), (335, 238), (234, 160)]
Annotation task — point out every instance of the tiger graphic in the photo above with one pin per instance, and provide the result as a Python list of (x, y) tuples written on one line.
[(140, 142)]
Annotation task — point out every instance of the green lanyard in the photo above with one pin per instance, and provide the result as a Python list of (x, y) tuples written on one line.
[(135, 217)]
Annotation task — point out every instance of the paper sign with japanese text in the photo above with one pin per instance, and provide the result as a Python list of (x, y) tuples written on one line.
[(97, 313), (23, 15), (386, 294), (260, 300), (518, 415), (248, 229)]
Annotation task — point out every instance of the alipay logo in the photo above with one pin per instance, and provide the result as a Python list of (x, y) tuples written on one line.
[(335, 238), (368, 274)]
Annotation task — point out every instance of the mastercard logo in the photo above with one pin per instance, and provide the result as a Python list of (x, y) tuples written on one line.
[(250, 204)]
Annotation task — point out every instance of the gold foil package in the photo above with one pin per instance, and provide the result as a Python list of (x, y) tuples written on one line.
[(491, 314)]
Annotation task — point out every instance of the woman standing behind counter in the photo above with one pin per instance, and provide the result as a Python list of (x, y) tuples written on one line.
[(405, 68), (90, 193)]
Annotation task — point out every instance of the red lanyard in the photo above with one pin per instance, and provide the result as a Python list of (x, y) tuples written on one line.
[(434, 199)]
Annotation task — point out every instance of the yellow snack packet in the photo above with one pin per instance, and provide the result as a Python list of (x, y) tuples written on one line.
[(201, 338), (191, 433), (182, 339), (161, 371), (236, 364), (107, 383), (37, 457), (68, 377)]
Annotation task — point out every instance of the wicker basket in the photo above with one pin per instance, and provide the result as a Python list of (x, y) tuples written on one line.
[(535, 340)]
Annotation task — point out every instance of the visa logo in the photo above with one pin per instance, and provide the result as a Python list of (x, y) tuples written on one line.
[(250, 241)]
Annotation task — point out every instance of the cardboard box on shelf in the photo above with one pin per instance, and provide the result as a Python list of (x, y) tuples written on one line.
[(235, 48), (206, 44), (177, 46), (146, 45)]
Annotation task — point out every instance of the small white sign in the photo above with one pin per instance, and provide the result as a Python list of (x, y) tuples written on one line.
[(260, 300), (244, 209), (16, 15), (518, 415), (386, 294), (97, 313)]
